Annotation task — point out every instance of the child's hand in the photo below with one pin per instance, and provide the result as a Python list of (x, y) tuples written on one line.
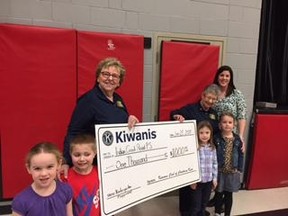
[(214, 184), (62, 173)]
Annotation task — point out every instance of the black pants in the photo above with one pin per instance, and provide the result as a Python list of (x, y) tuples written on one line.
[(225, 198), (193, 202)]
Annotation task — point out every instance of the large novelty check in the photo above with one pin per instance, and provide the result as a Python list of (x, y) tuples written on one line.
[(150, 160)]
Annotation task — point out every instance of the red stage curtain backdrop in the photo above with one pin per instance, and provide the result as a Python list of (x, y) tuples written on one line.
[(186, 69), (37, 94), (268, 166), (93, 47)]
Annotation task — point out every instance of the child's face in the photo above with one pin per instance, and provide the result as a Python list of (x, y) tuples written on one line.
[(43, 169), (204, 135), (82, 157), (227, 124)]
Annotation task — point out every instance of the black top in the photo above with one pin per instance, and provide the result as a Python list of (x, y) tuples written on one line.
[(93, 108), (196, 112)]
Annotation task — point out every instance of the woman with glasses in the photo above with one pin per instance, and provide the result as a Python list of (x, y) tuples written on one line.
[(100, 105)]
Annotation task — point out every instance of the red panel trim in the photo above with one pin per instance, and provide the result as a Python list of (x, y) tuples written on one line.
[(129, 49), (186, 70), (37, 94)]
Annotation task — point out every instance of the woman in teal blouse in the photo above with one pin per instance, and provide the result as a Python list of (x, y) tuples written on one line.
[(231, 99)]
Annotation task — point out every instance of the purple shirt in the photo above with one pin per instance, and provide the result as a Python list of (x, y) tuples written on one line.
[(29, 203)]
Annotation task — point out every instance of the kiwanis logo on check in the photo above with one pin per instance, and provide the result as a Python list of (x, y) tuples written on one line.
[(107, 138)]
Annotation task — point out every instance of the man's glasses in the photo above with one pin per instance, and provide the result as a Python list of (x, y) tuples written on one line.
[(107, 75)]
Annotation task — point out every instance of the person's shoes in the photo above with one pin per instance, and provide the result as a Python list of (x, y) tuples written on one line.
[(211, 203), (223, 209), (207, 213)]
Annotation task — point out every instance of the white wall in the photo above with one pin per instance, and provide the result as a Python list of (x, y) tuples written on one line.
[(236, 20)]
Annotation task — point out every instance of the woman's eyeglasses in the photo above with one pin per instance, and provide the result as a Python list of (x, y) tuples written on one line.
[(107, 75)]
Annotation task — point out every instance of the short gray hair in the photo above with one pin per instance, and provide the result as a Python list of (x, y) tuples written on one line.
[(212, 89)]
